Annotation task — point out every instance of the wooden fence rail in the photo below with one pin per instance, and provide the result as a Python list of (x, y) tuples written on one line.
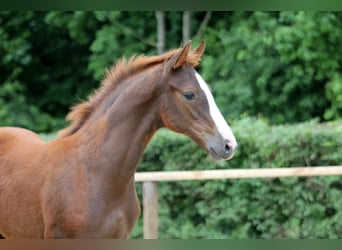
[(150, 188)]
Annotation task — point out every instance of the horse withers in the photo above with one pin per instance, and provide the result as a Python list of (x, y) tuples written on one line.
[(81, 185)]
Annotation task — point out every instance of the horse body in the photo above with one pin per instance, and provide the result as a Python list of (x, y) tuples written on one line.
[(81, 185), (83, 192)]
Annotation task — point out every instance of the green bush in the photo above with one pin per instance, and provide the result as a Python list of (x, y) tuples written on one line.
[(334, 94), (252, 57), (293, 207), (16, 111)]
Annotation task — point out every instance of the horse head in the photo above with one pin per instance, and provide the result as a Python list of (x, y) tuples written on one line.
[(188, 107)]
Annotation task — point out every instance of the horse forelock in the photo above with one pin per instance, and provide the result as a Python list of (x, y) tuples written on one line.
[(114, 76)]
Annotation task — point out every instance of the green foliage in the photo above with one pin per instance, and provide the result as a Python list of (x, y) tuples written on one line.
[(274, 64), (305, 207), (334, 95), (119, 36), (33, 72), (16, 111), (15, 108), (283, 66)]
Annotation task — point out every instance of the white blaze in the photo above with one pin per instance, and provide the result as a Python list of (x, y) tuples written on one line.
[(215, 113)]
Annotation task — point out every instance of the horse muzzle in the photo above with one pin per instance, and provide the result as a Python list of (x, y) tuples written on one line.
[(219, 148)]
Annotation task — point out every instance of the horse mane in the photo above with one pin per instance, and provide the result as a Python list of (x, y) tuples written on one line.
[(122, 70)]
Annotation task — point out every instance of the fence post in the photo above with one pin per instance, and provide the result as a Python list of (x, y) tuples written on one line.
[(150, 210)]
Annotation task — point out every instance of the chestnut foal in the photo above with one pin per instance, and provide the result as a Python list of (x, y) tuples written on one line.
[(81, 185)]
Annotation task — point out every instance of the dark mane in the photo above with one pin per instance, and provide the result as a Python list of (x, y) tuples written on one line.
[(122, 70)]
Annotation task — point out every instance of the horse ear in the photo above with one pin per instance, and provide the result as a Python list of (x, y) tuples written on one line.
[(200, 49), (182, 58), (179, 58)]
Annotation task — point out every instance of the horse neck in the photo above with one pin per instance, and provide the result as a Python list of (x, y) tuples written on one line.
[(114, 140)]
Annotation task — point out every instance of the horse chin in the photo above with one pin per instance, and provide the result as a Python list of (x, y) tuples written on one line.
[(217, 157), (214, 156)]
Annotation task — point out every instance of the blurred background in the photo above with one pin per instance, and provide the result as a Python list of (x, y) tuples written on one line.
[(276, 77)]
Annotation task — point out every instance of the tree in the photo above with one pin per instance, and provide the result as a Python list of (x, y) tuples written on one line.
[(16, 57), (186, 27), (160, 31), (274, 64)]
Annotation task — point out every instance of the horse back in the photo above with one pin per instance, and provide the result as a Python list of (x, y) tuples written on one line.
[(19, 181), (10, 133), (15, 143)]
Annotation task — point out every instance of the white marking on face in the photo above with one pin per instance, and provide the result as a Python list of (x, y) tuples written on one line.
[(221, 124)]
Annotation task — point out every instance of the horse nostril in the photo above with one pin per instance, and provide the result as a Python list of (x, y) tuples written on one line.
[(228, 148)]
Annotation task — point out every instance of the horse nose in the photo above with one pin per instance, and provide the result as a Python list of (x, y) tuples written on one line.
[(229, 149)]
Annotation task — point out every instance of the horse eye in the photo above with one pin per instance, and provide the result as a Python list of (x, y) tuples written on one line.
[(189, 95)]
